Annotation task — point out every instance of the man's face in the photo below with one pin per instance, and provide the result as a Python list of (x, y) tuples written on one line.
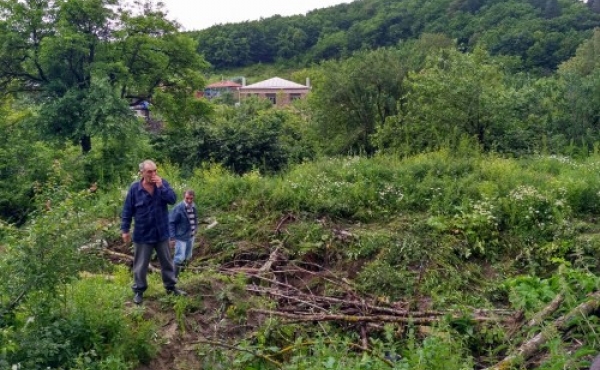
[(189, 199), (148, 173)]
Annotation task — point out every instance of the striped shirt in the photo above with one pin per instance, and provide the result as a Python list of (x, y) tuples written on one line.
[(189, 209)]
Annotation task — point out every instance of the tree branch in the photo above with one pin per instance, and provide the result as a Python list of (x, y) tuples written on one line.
[(529, 348)]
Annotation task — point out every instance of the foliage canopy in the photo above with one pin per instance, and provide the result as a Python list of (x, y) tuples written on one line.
[(85, 62)]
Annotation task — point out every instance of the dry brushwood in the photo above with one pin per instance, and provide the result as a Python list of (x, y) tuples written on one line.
[(533, 345), (298, 289), (306, 317), (297, 303)]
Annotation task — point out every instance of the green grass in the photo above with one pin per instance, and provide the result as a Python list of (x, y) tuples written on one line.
[(444, 229)]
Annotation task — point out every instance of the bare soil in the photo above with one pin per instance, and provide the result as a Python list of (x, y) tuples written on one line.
[(210, 318)]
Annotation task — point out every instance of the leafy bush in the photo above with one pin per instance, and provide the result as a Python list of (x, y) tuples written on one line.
[(24, 160), (248, 137), (93, 331), (48, 318), (340, 352)]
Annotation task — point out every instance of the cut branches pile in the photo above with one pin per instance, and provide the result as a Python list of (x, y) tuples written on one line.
[(298, 301)]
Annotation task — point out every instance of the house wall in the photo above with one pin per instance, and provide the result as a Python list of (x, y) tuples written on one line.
[(282, 96)]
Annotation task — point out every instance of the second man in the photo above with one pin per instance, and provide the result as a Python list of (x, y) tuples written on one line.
[(183, 222)]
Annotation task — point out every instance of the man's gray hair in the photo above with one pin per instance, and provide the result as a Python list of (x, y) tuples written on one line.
[(189, 192), (144, 163)]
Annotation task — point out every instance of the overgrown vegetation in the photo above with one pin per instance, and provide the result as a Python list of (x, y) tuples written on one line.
[(432, 204), (437, 231)]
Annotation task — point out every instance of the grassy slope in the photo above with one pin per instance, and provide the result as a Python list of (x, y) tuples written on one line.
[(434, 232), (343, 263)]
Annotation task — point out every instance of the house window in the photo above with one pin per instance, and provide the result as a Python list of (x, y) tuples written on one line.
[(295, 96), (272, 98)]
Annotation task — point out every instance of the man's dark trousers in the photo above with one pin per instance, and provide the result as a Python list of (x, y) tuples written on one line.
[(141, 260)]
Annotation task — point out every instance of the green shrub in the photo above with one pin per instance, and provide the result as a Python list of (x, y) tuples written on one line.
[(528, 211), (438, 351), (93, 331)]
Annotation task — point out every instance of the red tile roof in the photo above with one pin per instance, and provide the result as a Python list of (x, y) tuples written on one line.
[(224, 84)]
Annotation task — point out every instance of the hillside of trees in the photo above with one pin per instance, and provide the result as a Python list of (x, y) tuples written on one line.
[(432, 205), (541, 33)]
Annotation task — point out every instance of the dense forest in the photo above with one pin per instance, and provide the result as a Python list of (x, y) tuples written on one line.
[(432, 204), (541, 33)]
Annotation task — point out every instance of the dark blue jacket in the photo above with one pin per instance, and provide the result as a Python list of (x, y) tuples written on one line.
[(150, 212), (179, 224)]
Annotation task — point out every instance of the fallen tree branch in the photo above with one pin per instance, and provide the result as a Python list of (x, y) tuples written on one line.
[(539, 317), (272, 258), (529, 348), (324, 303), (288, 297), (283, 221), (296, 317), (129, 258)]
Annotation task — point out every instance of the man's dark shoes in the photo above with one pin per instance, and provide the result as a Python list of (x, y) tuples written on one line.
[(138, 298), (176, 291)]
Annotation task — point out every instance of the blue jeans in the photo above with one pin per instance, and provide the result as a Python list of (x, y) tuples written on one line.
[(183, 250)]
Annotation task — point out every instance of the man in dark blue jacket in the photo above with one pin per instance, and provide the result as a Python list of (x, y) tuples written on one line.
[(183, 222), (147, 202)]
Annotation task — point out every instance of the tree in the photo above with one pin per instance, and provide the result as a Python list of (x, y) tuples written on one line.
[(414, 52), (291, 42), (332, 46), (354, 96), (586, 59), (470, 6), (23, 160), (454, 96), (241, 138), (552, 9), (577, 117), (86, 61)]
